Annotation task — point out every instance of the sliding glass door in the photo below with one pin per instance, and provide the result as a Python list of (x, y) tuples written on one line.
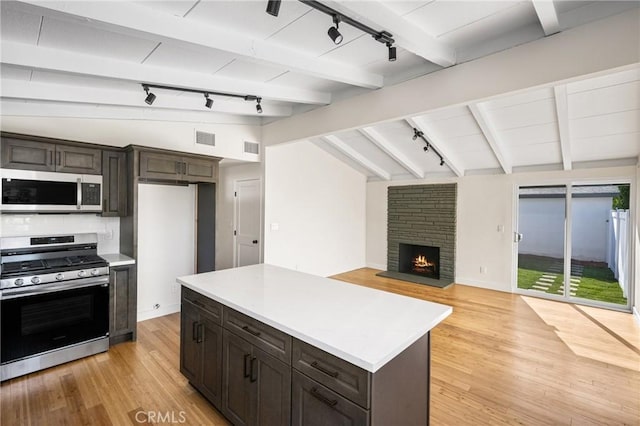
[(573, 243)]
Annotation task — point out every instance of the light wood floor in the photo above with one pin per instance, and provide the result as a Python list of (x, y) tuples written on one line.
[(498, 359)]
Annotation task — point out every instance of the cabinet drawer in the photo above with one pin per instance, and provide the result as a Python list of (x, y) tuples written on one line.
[(314, 404), (213, 308), (272, 341), (337, 374)]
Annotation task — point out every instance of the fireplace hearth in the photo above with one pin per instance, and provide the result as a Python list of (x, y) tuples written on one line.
[(419, 260)]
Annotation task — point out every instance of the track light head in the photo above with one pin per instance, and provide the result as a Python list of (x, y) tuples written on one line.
[(426, 148), (209, 102), (333, 32), (273, 7), (441, 162), (258, 106), (150, 96), (392, 52)]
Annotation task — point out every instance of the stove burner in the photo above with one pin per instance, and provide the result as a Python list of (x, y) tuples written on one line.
[(27, 266)]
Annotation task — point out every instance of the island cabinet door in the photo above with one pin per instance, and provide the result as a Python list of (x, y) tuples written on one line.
[(211, 376), (190, 353), (316, 405), (236, 379), (272, 390)]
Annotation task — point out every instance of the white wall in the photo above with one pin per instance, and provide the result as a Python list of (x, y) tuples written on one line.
[(636, 247), (107, 228), (166, 246), (225, 209), (485, 203), (318, 204), (177, 136)]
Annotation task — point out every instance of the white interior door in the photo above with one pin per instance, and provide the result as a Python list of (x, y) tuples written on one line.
[(247, 222), (166, 246)]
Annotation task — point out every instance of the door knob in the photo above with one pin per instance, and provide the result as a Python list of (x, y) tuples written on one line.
[(255, 241)]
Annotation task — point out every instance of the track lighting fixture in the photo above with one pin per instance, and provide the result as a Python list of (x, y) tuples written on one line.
[(208, 101), (273, 7), (383, 37), (392, 52), (150, 96), (333, 32), (419, 134)]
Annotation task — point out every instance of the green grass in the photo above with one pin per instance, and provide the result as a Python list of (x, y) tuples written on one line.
[(597, 282)]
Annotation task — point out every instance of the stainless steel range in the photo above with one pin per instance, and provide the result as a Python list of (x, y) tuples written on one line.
[(54, 297)]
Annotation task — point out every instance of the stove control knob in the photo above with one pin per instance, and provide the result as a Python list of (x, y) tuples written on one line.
[(18, 281), (82, 274), (35, 280), (94, 272), (59, 277)]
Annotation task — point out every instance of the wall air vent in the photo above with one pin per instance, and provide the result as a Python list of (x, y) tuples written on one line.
[(252, 147), (203, 138)]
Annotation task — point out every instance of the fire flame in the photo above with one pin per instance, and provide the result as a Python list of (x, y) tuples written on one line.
[(422, 262)]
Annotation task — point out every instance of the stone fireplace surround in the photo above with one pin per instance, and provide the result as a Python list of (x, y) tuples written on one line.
[(422, 215)]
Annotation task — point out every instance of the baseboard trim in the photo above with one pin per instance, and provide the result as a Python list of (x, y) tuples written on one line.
[(636, 314), (155, 313), (377, 266), (489, 285)]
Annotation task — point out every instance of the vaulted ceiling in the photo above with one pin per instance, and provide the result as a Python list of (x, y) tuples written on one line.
[(89, 58)]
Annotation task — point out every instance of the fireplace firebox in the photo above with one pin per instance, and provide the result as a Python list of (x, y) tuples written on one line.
[(419, 260)]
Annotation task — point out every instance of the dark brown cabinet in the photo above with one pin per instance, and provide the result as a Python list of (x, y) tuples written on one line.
[(47, 156), (201, 345), (316, 405), (159, 166), (256, 386), (122, 303), (114, 183)]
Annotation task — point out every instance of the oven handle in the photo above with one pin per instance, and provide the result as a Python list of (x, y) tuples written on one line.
[(14, 293)]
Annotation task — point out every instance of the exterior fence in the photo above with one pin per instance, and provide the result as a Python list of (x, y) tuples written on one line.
[(618, 248)]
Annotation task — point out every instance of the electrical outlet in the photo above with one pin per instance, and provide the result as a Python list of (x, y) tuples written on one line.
[(483, 269), (156, 306)]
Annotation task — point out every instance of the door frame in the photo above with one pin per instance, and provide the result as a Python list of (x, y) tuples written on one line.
[(569, 183), (260, 217)]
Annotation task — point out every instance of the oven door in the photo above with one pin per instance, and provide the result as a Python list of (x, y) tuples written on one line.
[(52, 318)]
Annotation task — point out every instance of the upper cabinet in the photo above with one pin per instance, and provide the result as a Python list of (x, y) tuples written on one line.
[(52, 157), (161, 166), (114, 183)]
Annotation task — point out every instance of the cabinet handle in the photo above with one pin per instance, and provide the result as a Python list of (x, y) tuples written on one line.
[(200, 333), (249, 330), (325, 370), (194, 335), (253, 370), (318, 395), (246, 365)]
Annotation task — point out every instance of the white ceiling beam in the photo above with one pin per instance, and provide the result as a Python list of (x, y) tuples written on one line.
[(392, 151), (596, 48), (340, 145), (406, 34), (451, 160), (479, 112), (42, 58), (547, 15), (132, 19), (21, 108), (562, 111), (15, 89)]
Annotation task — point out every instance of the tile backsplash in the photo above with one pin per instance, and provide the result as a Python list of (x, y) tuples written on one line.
[(107, 228)]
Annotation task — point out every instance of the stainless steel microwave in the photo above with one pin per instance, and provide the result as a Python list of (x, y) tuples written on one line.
[(25, 191)]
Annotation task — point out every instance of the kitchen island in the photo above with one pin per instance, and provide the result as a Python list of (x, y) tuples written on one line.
[(268, 345)]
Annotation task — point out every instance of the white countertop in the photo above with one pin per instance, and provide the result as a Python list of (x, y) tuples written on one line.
[(363, 326), (117, 259)]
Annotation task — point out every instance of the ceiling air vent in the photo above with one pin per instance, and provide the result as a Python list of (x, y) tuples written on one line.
[(252, 147), (203, 138)]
